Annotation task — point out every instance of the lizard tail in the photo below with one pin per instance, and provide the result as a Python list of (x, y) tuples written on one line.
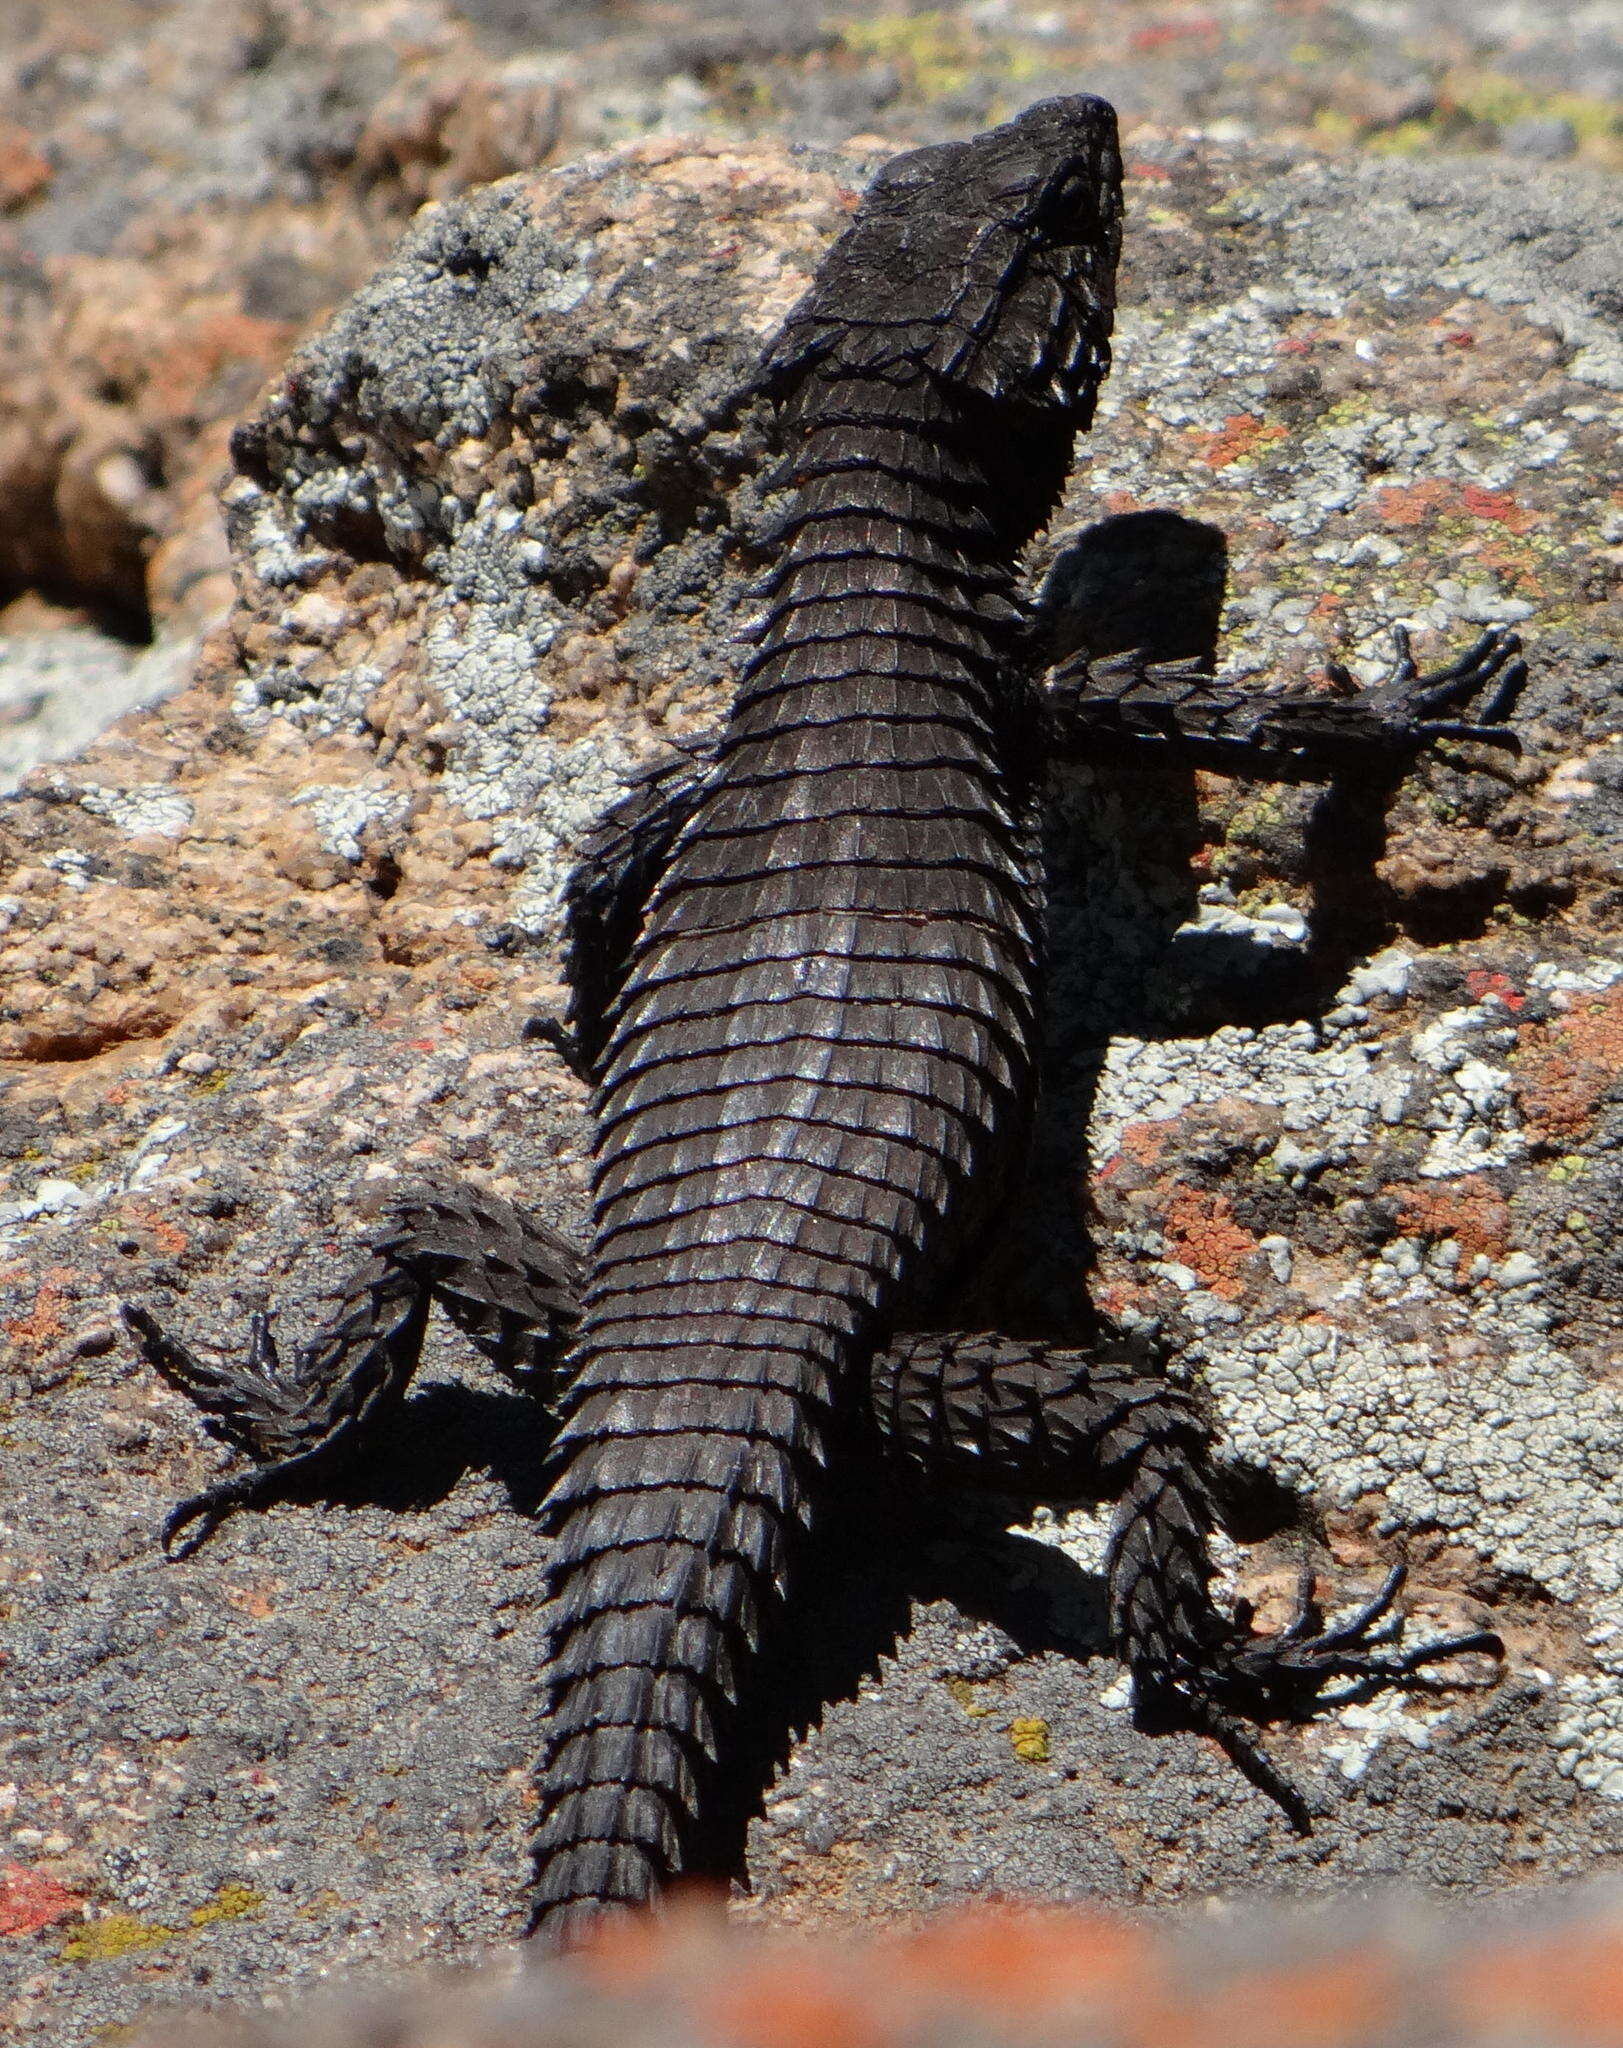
[(683, 1474)]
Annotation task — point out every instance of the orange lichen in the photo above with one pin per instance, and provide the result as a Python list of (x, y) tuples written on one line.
[(165, 1233), (1414, 504), (1333, 2003), (24, 171), (258, 1598), (1563, 1987), (780, 2000), (1569, 1066), (629, 1952), (1473, 1211), (44, 1325), (1139, 1145), (1410, 504), (1202, 1234), (1026, 1962), (1239, 437)]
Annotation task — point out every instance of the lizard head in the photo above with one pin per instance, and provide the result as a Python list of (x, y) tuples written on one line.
[(988, 265)]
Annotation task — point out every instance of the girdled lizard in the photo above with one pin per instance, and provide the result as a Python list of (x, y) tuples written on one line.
[(806, 970)]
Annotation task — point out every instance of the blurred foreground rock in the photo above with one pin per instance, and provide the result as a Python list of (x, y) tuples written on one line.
[(1354, 1148), (1399, 1975)]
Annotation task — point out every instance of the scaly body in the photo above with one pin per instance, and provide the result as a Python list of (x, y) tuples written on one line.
[(807, 982)]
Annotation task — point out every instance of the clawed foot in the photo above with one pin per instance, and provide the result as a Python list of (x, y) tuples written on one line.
[(1410, 702), (1280, 1670), (250, 1406), (1259, 1679), (243, 1404), (209, 1508)]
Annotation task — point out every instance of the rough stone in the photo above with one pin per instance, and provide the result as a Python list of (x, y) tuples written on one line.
[(273, 946)]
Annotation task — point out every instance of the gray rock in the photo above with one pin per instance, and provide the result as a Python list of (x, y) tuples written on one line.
[(1545, 139)]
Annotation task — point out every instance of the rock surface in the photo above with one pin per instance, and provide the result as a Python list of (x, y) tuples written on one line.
[(183, 189), (1354, 1147), (1400, 1974)]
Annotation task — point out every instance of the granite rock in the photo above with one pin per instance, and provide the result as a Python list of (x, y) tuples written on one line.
[(1330, 1101)]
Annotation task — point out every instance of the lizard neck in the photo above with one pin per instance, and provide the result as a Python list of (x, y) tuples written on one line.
[(893, 591)]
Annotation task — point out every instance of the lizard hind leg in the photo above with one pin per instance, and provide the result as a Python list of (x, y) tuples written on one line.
[(506, 1280), (1029, 1420)]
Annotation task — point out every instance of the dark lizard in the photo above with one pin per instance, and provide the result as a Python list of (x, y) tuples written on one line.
[(806, 970)]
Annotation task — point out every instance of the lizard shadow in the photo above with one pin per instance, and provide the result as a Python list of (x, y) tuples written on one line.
[(1136, 951), (445, 1431), (883, 1557)]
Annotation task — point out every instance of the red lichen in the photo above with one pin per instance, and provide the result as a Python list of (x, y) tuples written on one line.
[(1473, 1211), (29, 1900), (1156, 35), (1483, 981), (1500, 506)]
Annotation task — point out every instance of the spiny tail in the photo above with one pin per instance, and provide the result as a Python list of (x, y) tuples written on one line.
[(659, 1599)]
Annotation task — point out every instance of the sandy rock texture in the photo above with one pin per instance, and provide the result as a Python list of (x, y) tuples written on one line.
[(1331, 1099)]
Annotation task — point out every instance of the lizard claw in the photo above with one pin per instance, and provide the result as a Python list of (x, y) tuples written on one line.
[(1302, 1660), (1246, 1680), (240, 1404), (1413, 701), (247, 1406), (275, 1480), (209, 1509)]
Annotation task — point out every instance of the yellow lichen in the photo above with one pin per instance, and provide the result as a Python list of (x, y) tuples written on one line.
[(935, 51), (1407, 138), (118, 1934), (1028, 1738), (122, 1934), (230, 1902), (968, 1697), (1490, 96)]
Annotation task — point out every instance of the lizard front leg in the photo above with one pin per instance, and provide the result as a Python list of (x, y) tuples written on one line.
[(506, 1280), (1130, 703), (1024, 1419)]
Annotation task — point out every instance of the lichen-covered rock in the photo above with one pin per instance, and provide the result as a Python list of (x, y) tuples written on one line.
[(185, 185), (290, 939), (178, 200)]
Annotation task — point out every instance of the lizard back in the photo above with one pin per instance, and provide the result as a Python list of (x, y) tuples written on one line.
[(817, 1075)]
